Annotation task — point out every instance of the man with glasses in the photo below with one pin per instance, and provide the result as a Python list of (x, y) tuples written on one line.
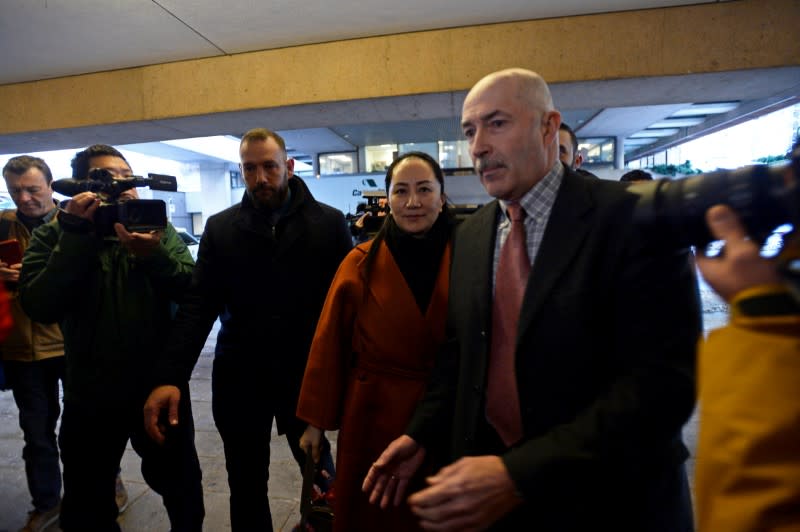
[(113, 297)]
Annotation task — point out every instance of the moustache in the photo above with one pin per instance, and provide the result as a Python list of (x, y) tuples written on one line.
[(483, 164)]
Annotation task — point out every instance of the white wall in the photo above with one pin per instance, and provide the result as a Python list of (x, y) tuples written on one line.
[(216, 189)]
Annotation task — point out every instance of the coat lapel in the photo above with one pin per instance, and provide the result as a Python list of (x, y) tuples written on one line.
[(565, 231), (389, 290), (391, 293), (479, 236), (436, 314)]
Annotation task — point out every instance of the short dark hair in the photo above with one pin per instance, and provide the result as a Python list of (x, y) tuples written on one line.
[(22, 163), (572, 136), (636, 175), (261, 133), (80, 163)]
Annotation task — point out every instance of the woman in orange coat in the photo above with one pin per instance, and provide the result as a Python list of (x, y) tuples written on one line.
[(379, 331)]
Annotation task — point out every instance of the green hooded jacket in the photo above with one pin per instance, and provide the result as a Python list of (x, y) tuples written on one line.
[(115, 310)]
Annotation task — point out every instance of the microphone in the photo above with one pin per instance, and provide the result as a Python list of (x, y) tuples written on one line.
[(114, 187), (70, 187)]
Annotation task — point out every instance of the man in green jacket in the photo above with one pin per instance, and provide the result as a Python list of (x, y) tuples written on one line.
[(112, 297)]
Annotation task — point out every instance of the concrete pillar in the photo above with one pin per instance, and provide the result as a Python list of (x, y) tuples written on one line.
[(619, 153)]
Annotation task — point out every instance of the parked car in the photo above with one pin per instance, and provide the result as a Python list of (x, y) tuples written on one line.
[(190, 240)]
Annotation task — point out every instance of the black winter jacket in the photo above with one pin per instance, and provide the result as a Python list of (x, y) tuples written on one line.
[(267, 284)]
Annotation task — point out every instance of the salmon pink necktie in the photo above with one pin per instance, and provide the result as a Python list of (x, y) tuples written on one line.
[(502, 397)]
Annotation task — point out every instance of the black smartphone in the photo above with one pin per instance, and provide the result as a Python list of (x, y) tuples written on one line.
[(11, 251)]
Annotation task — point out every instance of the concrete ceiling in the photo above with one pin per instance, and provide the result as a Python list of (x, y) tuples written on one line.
[(44, 39)]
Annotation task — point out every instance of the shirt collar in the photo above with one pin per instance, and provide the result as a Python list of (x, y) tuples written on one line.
[(540, 198)]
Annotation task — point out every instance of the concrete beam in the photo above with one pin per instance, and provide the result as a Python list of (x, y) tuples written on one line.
[(705, 38)]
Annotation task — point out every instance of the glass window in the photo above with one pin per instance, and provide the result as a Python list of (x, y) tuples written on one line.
[(431, 148), (454, 154), (378, 158), (236, 179), (597, 150), (338, 163)]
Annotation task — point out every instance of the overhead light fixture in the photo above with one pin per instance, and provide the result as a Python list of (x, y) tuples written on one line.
[(704, 109), (689, 121), (639, 142), (658, 133)]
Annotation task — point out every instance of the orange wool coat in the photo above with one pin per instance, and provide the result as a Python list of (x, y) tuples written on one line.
[(367, 370)]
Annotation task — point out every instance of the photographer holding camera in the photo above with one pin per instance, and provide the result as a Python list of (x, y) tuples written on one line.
[(748, 464), (112, 297), (370, 221)]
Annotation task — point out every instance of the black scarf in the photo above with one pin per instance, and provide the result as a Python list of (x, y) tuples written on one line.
[(419, 257)]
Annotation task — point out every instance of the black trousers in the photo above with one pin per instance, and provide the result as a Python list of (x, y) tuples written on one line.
[(244, 413), (92, 442)]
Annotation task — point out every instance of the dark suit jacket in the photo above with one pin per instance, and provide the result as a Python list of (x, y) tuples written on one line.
[(267, 284), (605, 364)]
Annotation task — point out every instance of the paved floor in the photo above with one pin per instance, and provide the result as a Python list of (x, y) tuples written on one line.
[(145, 512)]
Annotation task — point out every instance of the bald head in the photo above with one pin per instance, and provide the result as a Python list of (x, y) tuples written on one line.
[(512, 128), (528, 86)]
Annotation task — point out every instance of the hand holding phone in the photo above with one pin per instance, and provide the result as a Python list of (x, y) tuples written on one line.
[(10, 260), (11, 251)]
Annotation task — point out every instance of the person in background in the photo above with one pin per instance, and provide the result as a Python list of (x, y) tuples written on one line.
[(112, 296), (264, 267), (367, 225), (747, 473), (33, 354), (568, 151), (636, 176), (381, 325), (568, 371)]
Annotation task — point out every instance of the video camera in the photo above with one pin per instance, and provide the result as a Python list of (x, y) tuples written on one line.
[(372, 223), (764, 197), (137, 215), (373, 204)]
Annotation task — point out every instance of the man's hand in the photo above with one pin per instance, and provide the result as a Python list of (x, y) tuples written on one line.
[(740, 265), (361, 220), (311, 438), (83, 205), (388, 477), (138, 244), (469, 494), (9, 272), (163, 398)]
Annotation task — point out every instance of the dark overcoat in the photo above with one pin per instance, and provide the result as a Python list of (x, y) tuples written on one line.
[(267, 284), (604, 363)]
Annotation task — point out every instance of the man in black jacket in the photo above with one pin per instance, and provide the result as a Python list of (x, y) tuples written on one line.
[(264, 268), (595, 363)]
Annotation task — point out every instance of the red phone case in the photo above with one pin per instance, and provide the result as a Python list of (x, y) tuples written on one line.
[(11, 251)]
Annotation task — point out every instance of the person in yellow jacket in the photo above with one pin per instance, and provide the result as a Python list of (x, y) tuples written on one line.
[(748, 458)]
